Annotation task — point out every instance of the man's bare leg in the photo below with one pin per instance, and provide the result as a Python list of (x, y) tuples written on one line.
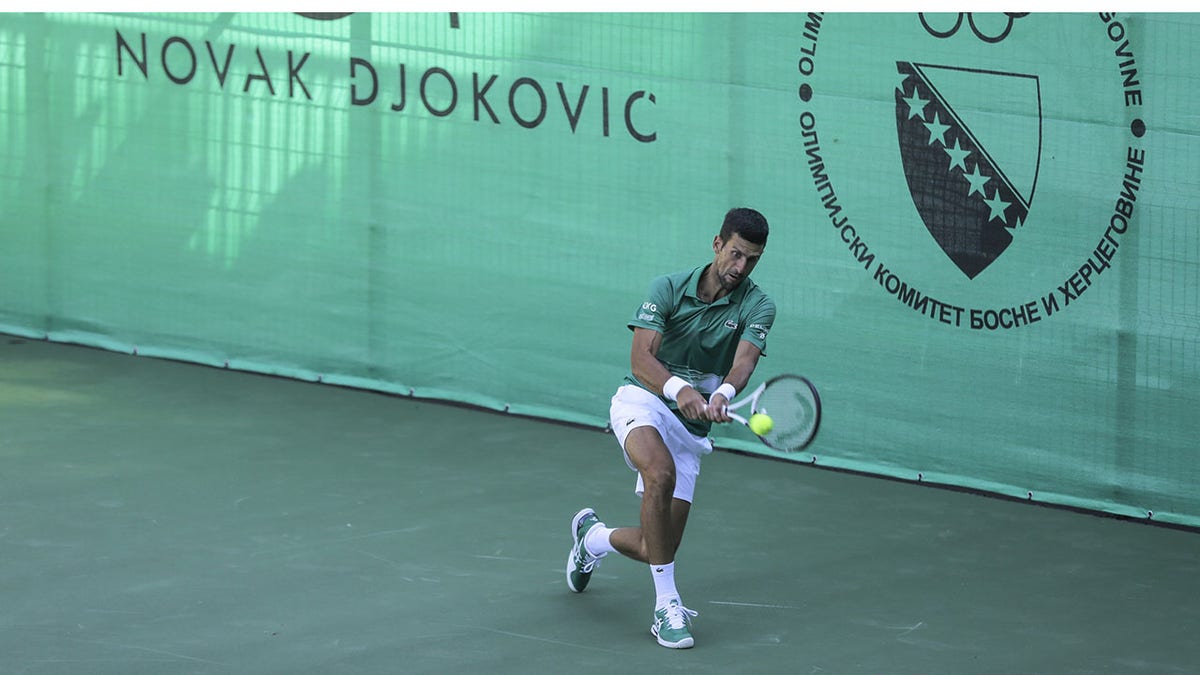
[(663, 517)]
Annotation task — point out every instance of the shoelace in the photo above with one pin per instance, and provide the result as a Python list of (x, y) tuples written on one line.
[(587, 561), (677, 616)]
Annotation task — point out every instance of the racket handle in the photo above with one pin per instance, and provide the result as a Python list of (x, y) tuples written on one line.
[(736, 417)]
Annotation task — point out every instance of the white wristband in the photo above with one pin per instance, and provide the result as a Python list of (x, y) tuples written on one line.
[(725, 390), (672, 387)]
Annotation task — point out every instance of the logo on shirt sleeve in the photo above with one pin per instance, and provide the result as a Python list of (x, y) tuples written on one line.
[(649, 312), (759, 330)]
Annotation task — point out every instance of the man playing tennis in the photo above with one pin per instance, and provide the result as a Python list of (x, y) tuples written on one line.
[(696, 341)]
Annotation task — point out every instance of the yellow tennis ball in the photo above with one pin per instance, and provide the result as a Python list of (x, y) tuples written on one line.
[(760, 424)]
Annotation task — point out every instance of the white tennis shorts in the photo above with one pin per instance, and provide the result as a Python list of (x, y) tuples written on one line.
[(634, 407)]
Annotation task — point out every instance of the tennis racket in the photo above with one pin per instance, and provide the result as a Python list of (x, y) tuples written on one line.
[(794, 406)]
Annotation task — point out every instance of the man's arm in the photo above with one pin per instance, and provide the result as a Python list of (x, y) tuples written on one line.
[(745, 360), (652, 373)]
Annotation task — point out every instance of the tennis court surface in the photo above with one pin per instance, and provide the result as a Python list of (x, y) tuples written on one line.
[(161, 517)]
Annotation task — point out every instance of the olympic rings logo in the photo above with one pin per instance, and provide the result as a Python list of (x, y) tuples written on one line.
[(970, 16)]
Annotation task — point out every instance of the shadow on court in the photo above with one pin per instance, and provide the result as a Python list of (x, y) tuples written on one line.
[(164, 518)]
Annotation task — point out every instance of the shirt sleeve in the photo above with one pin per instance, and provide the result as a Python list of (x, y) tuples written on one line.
[(656, 308), (758, 323)]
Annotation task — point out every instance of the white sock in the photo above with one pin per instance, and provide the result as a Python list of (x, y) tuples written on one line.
[(664, 583), (596, 541)]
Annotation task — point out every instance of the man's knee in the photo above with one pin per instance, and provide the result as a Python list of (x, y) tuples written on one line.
[(659, 478)]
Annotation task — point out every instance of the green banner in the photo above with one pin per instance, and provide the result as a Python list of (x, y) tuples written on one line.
[(984, 225)]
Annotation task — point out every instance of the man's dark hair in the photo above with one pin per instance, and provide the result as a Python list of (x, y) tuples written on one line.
[(748, 223)]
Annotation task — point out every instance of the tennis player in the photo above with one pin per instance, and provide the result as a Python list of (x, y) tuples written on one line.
[(697, 338)]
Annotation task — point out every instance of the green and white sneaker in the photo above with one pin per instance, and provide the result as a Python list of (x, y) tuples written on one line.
[(673, 625), (581, 563)]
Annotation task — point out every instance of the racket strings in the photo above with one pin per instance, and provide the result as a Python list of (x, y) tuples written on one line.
[(793, 409)]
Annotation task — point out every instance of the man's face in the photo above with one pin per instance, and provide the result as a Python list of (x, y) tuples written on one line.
[(734, 260)]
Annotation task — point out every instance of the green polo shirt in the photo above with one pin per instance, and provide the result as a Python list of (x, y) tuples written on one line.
[(700, 339)]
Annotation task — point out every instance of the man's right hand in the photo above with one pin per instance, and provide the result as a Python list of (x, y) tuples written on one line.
[(691, 404)]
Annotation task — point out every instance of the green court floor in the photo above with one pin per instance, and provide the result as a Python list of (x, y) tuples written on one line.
[(159, 517)]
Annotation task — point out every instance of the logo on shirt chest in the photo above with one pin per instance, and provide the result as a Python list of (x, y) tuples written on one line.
[(731, 324)]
